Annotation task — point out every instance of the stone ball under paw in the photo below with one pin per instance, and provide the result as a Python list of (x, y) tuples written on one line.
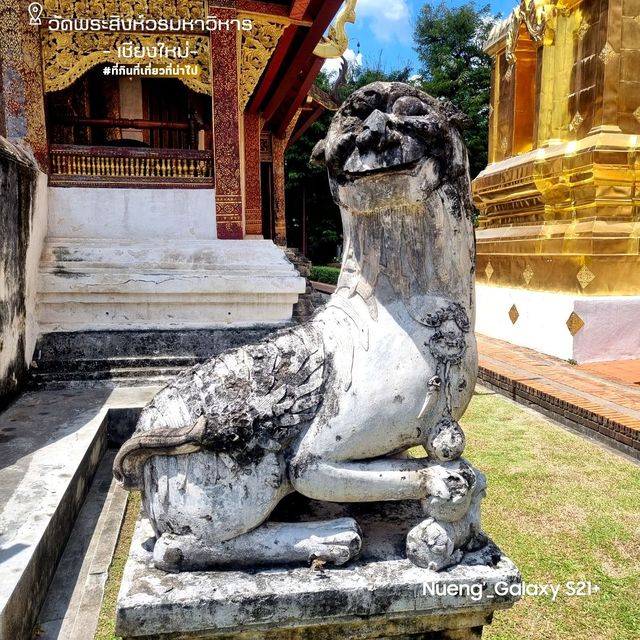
[(445, 440)]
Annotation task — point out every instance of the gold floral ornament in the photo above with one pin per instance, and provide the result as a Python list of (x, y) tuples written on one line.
[(575, 123), (67, 55), (636, 114), (582, 30), (585, 277), (188, 9), (514, 314), (540, 21), (527, 274), (607, 54), (335, 43), (574, 323), (257, 48)]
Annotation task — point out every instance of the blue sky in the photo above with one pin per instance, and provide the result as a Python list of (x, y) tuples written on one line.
[(384, 29)]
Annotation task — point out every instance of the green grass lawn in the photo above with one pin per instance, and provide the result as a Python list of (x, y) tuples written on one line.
[(561, 507), (106, 629)]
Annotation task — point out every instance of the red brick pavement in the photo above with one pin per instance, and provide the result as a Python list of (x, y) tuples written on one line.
[(594, 399)]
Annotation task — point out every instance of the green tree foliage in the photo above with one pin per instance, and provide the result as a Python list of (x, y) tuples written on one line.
[(308, 187), (308, 197), (328, 275), (449, 43)]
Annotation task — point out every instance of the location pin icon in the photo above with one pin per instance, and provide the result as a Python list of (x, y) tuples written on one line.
[(35, 10)]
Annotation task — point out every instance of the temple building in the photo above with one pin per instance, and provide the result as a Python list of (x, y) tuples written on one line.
[(150, 152), (558, 245)]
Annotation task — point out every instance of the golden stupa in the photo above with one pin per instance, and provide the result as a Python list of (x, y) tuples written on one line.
[(560, 199)]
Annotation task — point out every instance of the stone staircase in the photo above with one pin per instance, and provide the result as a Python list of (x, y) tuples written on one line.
[(112, 284), (129, 358), (114, 312)]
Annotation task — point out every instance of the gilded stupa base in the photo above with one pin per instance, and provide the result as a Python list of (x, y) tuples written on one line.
[(558, 249), (568, 326)]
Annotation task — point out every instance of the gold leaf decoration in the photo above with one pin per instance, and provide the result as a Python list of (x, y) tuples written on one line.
[(257, 48), (68, 55), (527, 274), (188, 9), (514, 314), (574, 323), (581, 32), (585, 277), (576, 121), (488, 270), (540, 20), (607, 54)]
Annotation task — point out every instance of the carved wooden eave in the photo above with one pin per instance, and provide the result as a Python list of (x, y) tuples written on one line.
[(293, 68), (316, 104), (67, 55), (317, 95), (257, 47)]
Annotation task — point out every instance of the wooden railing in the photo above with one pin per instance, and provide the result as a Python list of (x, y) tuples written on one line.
[(75, 165)]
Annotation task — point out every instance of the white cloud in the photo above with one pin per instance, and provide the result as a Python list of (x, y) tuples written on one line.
[(388, 19), (332, 66)]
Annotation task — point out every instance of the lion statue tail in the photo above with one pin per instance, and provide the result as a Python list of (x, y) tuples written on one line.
[(128, 466)]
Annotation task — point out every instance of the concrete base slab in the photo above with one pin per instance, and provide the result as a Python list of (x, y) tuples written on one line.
[(581, 328), (379, 595), (51, 444)]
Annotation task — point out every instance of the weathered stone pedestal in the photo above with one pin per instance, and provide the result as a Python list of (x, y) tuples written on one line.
[(380, 595)]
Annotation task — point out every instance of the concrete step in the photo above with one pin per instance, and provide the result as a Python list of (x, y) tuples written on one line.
[(115, 382), (119, 284), (146, 346), (129, 358), (221, 256), (129, 373), (150, 362), (52, 442)]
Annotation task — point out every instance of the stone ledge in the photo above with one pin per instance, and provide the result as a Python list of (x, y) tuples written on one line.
[(380, 595), (50, 446)]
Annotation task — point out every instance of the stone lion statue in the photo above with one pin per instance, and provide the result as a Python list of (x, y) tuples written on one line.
[(326, 407)]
